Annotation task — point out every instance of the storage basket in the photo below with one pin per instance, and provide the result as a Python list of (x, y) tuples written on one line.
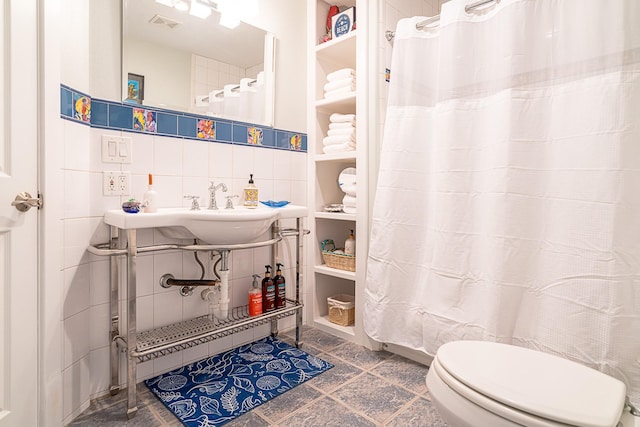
[(339, 261), (342, 309)]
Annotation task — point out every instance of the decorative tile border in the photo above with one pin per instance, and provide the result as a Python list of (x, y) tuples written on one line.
[(99, 113)]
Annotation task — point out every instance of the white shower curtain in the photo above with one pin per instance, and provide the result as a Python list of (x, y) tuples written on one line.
[(508, 199)]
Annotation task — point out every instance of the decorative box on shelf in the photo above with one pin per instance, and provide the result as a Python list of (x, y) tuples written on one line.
[(343, 23), (342, 309)]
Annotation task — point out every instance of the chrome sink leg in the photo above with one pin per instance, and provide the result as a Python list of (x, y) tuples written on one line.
[(132, 343), (114, 357)]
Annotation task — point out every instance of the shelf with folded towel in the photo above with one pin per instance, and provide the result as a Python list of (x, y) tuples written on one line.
[(341, 49), (340, 104), (343, 216), (347, 155)]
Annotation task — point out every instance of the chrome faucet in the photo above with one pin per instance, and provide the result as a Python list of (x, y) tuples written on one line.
[(195, 206), (212, 194)]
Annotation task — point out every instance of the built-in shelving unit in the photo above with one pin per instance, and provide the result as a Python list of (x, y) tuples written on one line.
[(347, 51)]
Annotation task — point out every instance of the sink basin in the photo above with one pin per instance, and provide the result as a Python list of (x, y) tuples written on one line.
[(215, 227)]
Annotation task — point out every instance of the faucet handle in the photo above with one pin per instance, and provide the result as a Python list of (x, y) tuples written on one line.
[(195, 205), (230, 201)]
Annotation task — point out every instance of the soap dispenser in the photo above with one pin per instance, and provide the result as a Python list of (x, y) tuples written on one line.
[(255, 298), (150, 198), (251, 194), (268, 291), (281, 287), (350, 245)]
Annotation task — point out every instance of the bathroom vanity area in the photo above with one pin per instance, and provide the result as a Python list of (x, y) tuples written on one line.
[(238, 229)]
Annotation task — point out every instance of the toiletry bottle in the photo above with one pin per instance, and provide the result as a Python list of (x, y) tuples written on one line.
[(255, 298), (251, 194), (350, 245), (268, 291), (150, 198), (281, 287)]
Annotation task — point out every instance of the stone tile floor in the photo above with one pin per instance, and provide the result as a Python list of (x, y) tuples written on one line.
[(365, 388)]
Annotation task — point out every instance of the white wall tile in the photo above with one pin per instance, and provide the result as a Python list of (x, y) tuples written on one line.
[(167, 308), (76, 290), (145, 313), (76, 338), (142, 154), (77, 194), (76, 238), (100, 326), (166, 262), (196, 158), (77, 139), (221, 162), (99, 371), (75, 389), (166, 363), (170, 192), (243, 158), (167, 156), (100, 286), (282, 165)]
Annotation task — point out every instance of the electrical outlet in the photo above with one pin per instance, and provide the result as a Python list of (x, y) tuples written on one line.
[(116, 183)]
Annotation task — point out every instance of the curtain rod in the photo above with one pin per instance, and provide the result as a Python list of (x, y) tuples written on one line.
[(420, 25)]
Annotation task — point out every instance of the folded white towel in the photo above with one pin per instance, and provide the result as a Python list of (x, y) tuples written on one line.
[(345, 131), (337, 84), (349, 189), (342, 118), (338, 139), (342, 91), (341, 74), (349, 200), (337, 148), (343, 125)]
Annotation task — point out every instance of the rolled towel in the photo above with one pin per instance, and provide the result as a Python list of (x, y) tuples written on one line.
[(341, 118), (349, 200), (341, 74), (343, 125), (339, 92), (349, 189), (345, 131), (337, 84), (337, 148), (338, 139)]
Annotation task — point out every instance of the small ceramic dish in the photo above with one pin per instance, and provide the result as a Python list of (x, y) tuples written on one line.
[(274, 204)]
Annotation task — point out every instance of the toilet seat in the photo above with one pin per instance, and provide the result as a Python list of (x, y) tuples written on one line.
[(530, 387)]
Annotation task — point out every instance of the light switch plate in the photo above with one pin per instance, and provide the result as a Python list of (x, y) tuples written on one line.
[(116, 149)]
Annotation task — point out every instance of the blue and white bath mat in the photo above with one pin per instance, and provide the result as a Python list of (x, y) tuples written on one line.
[(213, 391)]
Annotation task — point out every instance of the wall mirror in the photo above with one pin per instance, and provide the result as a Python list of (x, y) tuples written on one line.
[(176, 61)]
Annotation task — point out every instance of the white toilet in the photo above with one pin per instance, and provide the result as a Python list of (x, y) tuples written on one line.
[(485, 384)]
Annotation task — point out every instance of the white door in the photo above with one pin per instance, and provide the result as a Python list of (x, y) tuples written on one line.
[(18, 230)]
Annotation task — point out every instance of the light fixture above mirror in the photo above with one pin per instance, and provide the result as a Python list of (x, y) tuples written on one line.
[(231, 11)]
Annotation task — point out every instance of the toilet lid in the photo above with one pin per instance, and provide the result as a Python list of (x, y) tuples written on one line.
[(535, 382)]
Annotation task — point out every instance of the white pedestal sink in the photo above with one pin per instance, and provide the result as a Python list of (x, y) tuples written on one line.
[(215, 227)]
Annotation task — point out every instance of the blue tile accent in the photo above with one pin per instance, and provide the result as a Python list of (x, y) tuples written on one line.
[(167, 124), (106, 114), (239, 134), (66, 102), (187, 126), (99, 113), (282, 139), (223, 131), (120, 117), (268, 138)]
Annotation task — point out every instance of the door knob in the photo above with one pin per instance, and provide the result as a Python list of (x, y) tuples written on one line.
[(23, 202)]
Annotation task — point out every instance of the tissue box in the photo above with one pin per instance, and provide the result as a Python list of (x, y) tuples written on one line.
[(342, 309), (343, 22)]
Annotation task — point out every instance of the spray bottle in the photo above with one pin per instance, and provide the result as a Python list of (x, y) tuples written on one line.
[(281, 287), (255, 298)]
